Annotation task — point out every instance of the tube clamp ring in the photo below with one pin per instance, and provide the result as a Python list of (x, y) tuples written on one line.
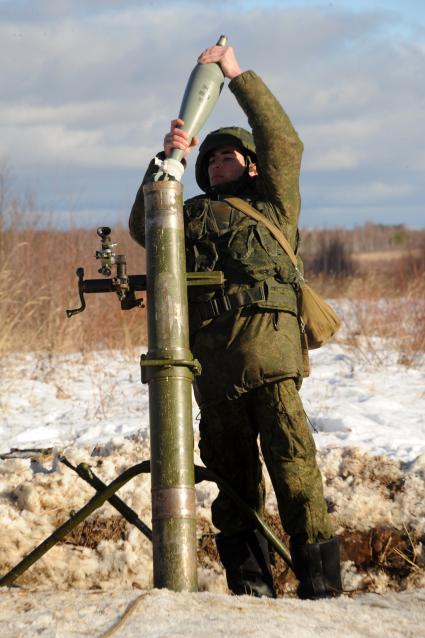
[(146, 363)]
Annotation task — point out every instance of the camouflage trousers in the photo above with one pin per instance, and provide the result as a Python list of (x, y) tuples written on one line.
[(228, 445)]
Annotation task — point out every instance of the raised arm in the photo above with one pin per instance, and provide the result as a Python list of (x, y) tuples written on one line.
[(279, 149)]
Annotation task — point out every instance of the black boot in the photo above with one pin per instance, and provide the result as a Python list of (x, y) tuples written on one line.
[(246, 559), (317, 567)]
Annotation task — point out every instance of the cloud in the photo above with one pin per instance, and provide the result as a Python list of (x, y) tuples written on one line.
[(89, 88)]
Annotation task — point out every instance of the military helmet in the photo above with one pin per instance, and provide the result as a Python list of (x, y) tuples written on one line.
[(229, 135)]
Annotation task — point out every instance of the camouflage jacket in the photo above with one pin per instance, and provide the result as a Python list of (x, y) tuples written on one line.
[(258, 342)]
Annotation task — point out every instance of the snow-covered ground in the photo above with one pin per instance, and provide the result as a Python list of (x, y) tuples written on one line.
[(164, 614), (370, 432), (83, 399)]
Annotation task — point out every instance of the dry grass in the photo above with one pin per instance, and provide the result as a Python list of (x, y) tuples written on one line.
[(385, 291), (38, 282)]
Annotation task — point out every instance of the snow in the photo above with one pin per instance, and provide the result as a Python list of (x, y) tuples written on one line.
[(355, 403), (164, 614), (74, 399), (369, 427), (83, 399)]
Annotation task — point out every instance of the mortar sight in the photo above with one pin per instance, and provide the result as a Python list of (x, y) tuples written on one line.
[(103, 231), (106, 253), (125, 286)]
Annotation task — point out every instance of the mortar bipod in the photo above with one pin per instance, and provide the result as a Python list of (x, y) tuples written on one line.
[(107, 493), (125, 286)]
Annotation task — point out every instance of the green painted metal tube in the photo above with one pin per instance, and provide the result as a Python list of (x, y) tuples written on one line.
[(170, 379)]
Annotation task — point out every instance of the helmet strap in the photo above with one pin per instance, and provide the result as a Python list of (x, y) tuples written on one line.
[(249, 163)]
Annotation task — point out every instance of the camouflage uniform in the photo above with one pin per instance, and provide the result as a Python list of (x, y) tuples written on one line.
[(247, 337)]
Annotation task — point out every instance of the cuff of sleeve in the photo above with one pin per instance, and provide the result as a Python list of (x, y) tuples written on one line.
[(241, 80), (161, 156)]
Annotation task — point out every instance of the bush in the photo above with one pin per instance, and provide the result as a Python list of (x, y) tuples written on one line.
[(333, 259)]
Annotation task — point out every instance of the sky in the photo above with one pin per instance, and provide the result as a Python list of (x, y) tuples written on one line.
[(88, 89)]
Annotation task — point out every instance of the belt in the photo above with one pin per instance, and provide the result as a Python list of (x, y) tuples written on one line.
[(200, 312)]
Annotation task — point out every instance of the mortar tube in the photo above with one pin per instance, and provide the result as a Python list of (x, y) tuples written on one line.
[(168, 369)]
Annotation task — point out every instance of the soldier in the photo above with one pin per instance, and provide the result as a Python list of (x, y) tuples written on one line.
[(248, 338)]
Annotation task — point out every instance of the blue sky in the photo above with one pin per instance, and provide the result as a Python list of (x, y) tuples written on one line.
[(89, 88)]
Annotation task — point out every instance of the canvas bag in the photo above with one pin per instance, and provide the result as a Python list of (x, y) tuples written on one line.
[(317, 318)]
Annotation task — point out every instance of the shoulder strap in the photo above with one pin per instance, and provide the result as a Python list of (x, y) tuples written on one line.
[(249, 210)]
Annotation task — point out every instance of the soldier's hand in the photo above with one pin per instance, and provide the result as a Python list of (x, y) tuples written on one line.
[(177, 138), (225, 56)]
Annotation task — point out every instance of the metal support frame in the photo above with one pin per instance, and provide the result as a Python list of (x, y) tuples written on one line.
[(107, 493)]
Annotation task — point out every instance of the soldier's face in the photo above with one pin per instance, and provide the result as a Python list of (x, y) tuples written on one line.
[(225, 164)]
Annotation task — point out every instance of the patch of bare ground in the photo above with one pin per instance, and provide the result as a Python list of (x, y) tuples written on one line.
[(94, 530), (375, 503), (377, 554)]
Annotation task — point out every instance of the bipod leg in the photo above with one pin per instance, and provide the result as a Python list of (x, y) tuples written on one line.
[(85, 472), (204, 474), (95, 502)]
